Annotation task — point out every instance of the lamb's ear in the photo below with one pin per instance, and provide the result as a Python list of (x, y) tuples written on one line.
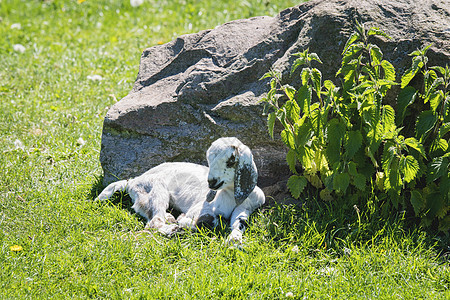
[(246, 175)]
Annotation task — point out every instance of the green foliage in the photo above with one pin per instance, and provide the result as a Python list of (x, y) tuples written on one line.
[(348, 141), (69, 247)]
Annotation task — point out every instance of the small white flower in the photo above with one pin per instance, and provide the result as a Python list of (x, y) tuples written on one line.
[(295, 249), (289, 295), (347, 251), (95, 77), (19, 48), (80, 141), (327, 271), (18, 144), (16, 26), (136, 3)]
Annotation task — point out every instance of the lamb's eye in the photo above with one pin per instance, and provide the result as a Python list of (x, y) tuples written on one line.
[(231, 162)]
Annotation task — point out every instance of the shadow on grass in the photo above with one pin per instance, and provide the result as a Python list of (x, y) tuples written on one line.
[(329, 226), (122, 200), (334, 226)]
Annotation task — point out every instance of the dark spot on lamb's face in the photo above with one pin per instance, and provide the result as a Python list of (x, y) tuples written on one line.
[(231, 162)]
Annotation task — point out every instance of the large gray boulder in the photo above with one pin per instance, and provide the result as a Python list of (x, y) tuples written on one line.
[(202, 86)]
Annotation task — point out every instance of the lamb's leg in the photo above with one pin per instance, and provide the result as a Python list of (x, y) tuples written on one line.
[(152, 201)]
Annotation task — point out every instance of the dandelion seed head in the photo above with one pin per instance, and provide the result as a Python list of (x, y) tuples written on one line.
[(18, 144), (16, 26), (19, 48), (136, 3), (95, 77)]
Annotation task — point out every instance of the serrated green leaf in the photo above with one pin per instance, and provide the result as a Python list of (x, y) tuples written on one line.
[(406, 97), (272, 73), (288, 138), (321, 161), (316, 76), (349, 76), (411, 72), (289, 91), (353, 38), (447, 109), (420, 52), (369, 71), (374, 136), (363, 85), (417, 201), (341, 182), (415, 53), (350, 55), (335, 132), (388, 118), (375, 55), (377, 31), (273, 85), (291, 159), (352, 168), (271, 123), (409, 167), (271, 95), (304, 53), (314, 56), (303, 133), (297, 63), (389, 155), (439, 69), (393, 179), (281, 116), (315, 118), (389, 70), (329, 85), (425, 49), (413, 143), (305, 75), (359, 180), (438, 167), (438, 147), (435, 99), (444, 129), (430, 83), (304, 94), (292, 110), (353, 143), (296, 184), (306, 157), (425, 123)]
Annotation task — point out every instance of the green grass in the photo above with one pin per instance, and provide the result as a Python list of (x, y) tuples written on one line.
[(50, 129)]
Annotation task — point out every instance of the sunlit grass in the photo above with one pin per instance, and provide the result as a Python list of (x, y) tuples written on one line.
[(55, 242)]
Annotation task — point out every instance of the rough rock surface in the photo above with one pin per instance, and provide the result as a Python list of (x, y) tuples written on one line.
[(205, 85)]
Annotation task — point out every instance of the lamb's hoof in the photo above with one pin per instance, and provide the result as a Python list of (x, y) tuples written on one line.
[(169, 229), (235, 238)]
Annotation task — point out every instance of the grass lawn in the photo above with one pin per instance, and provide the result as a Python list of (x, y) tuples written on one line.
[(56, 243)]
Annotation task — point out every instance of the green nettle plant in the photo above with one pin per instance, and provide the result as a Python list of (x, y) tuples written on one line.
[(346, 142)]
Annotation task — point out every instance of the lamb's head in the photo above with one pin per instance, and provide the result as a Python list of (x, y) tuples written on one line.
[(231, 165)]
